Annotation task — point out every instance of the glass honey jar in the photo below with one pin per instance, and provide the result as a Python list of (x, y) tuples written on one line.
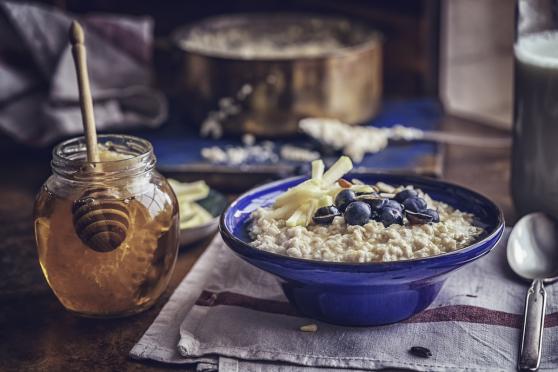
[(106, 232)]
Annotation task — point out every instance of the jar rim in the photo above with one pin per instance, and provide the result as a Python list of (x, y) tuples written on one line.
[(70, 156)]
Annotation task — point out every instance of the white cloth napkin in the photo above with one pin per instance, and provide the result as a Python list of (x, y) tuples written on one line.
[(38, 93), (230, 316)]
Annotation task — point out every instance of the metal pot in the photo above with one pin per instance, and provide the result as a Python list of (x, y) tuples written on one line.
[(264, 88)]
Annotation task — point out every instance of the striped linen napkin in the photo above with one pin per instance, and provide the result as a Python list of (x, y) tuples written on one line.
[(229, 316)]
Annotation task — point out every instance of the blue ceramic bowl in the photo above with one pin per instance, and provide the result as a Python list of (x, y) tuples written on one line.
[(363, 294)]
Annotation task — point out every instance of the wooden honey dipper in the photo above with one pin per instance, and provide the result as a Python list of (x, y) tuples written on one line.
[(100, 220)]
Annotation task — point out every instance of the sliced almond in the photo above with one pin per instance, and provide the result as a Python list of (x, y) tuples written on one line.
[(384, 187), (387, 195), (309, 328)]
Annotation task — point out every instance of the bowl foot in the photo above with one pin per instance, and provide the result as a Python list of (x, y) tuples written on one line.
[(365, 306)]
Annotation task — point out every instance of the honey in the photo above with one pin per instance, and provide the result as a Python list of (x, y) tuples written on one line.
[(122, 281)]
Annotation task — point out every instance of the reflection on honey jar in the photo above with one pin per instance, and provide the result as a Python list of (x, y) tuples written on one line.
[(133, 273)]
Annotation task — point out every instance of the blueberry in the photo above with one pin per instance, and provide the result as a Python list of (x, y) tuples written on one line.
[(373, 200), (376, 207), (415, 204), (433, 213), (376, 204), (390, 203), (324, 211), (405, 194), (357, 213), (325, 215), (389, 216), (418, 218), (376, 216), (343, 198)]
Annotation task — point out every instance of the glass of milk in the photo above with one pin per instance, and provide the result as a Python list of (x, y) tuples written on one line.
[(535, 146)]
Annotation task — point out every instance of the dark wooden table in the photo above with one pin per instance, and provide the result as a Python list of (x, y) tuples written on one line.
[(37, 334)]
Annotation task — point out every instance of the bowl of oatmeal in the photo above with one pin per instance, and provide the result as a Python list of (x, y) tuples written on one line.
[(368, 249)]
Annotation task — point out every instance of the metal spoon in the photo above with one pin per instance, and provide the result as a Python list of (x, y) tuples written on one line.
[(533, 255), (341, 136)]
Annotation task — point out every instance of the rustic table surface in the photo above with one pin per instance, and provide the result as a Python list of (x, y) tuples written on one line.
[(38, 334)]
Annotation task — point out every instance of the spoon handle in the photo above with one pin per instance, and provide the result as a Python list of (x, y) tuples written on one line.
[(533, 326), (467, 140)]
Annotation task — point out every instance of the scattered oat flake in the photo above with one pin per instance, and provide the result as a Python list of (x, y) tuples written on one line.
[(309, 328)]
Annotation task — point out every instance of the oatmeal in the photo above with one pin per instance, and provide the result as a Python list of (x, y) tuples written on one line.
[(340, 242), (345, 221)]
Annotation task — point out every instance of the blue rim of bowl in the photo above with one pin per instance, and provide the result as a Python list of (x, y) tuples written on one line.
[(497, 233)]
